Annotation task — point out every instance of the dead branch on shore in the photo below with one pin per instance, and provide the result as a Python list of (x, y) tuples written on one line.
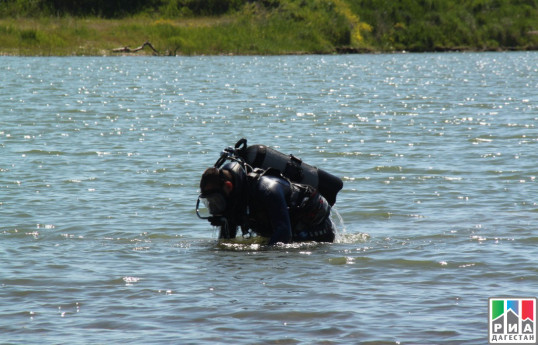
[(129, 50)]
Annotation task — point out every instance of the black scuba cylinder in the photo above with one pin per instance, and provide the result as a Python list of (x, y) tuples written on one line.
[(261, 156)]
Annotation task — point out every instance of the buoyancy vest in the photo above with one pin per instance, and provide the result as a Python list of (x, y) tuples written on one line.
[(307, 206), (308, 209)]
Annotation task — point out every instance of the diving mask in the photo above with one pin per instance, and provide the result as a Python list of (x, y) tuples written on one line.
[(215, 202)]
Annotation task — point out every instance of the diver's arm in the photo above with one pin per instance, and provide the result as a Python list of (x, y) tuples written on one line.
[(227, 229), (274, 199)]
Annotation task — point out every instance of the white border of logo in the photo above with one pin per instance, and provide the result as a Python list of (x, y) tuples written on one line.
[(515, 336)]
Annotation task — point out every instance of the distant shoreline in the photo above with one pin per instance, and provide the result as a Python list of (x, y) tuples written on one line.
[(286, 30), (338, 52)]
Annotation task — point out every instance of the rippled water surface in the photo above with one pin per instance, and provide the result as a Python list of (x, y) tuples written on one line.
[(99, 169)]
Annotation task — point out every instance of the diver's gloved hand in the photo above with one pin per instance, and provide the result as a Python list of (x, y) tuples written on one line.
[(216, 221)]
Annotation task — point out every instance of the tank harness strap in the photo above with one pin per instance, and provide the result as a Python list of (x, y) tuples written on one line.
[(293, 169), (256, 173)]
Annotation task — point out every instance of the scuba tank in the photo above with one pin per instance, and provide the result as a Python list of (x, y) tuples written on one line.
[(261, 156)]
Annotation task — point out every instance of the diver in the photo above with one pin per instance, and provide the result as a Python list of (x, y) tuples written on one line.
[(264, 202)]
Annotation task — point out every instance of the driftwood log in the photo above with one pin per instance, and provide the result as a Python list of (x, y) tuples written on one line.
[(134, 50)]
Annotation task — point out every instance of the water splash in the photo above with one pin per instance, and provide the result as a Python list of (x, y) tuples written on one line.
[(339, 226)]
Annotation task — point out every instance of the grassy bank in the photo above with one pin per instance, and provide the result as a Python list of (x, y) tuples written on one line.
[(278, 27), (253, 30)]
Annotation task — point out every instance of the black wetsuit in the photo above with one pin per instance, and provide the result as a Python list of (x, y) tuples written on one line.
[(288, 212)]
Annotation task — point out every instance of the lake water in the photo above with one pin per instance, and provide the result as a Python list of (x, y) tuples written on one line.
[(99, 170)]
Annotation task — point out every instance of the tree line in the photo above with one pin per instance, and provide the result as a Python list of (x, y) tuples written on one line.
[(452, 24), (117, 8)]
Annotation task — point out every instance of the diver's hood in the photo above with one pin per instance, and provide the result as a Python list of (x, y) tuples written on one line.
[(239, 177)]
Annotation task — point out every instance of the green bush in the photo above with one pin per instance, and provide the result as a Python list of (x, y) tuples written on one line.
[(28, 35)]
